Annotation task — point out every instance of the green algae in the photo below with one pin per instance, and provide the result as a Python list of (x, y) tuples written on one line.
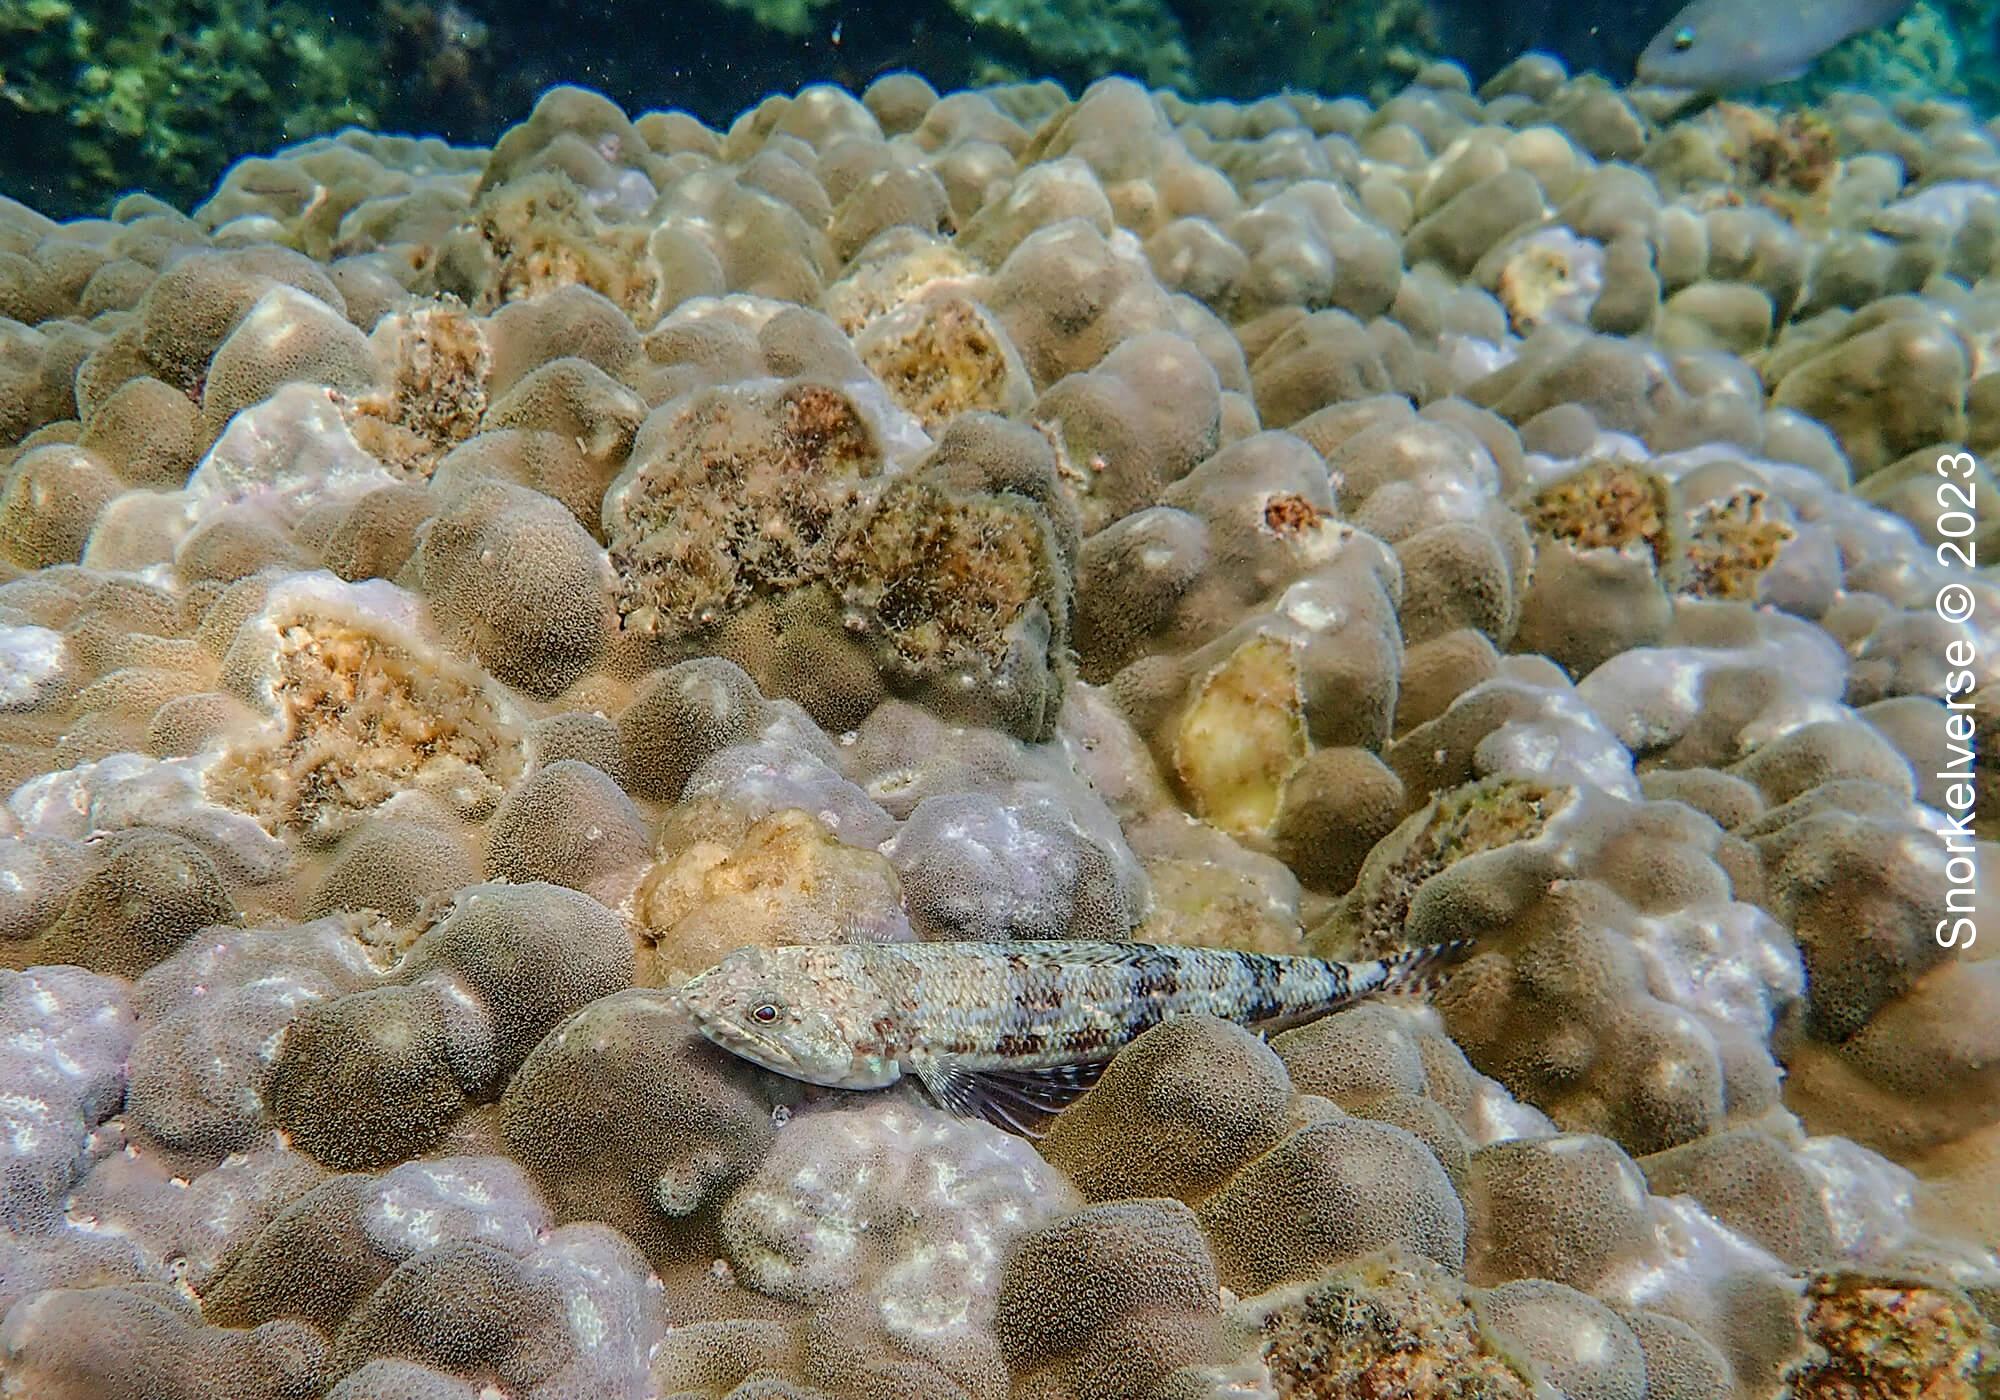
[(115, 95)]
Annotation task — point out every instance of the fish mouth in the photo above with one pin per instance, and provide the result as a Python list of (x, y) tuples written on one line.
[(742, 1042)]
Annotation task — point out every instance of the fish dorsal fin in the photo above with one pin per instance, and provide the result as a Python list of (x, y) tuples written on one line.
[(1018, 1101)]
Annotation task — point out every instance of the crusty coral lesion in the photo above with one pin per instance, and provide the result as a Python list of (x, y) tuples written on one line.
[(1291, 516), (742, 499), (1606, 505), (1540, 277), (1730, 544), (1789, 152), (358, 719), (436, 392), (1885, 1338)]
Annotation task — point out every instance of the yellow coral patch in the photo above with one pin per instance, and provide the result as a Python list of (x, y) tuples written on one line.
[(787, 881), (1243, 736)]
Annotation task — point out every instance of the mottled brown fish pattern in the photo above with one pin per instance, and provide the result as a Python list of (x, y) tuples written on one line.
[(1006, 1031)]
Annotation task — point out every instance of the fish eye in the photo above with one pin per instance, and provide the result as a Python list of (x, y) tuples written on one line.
[(763, 1013), (1683, 38)]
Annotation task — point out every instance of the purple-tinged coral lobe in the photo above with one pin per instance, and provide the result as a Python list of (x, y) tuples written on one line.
[(67, 1034)]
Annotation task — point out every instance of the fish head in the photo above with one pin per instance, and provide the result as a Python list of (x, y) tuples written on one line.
[(1689, 53), (1718, 46), (806, 1013)]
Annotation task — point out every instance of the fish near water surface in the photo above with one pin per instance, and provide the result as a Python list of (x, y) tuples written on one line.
[(1009, 1032), (1718, 46)]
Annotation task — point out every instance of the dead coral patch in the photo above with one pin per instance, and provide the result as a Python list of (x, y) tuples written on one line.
[(1608, 505), (1397, 1332), (736, 494), (948, 578), (788, 880), (1888, 1339), (537, 234), (1730, 544), (1467, 821), (438, 363), (1243, 735), (943, 356), (1792, 152), (360, 718)]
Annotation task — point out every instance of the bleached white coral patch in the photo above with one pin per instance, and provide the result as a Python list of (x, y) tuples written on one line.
[(64, 1034), (278, 458), (761, 778), (290, 452), (614, 1312), (1729, 963), (1693, 1255), (1563, 741), (32, 660), (1651, 696), (907, 1203), (1937, 212), (420, 1205), (126, 790)]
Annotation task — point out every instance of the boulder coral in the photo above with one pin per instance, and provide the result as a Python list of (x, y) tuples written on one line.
[(448, 598)]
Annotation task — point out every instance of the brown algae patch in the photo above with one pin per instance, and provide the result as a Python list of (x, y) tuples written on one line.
[(1730, 543)]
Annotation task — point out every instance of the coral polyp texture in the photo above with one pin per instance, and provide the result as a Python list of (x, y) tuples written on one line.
[(448, 597)]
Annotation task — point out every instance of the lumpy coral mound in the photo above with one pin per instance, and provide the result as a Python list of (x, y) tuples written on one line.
[(450, 597)]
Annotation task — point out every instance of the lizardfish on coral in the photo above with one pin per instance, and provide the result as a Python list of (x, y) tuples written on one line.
[(1717, 46), (1009, 1032)]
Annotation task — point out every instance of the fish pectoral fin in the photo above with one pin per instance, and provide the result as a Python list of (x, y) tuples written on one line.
[(950, 1086), (1018, 1101)]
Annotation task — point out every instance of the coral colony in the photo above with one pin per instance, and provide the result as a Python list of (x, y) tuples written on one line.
[(451, 596)]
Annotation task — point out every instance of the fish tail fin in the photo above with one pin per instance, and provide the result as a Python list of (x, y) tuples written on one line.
[(1418, 972)]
